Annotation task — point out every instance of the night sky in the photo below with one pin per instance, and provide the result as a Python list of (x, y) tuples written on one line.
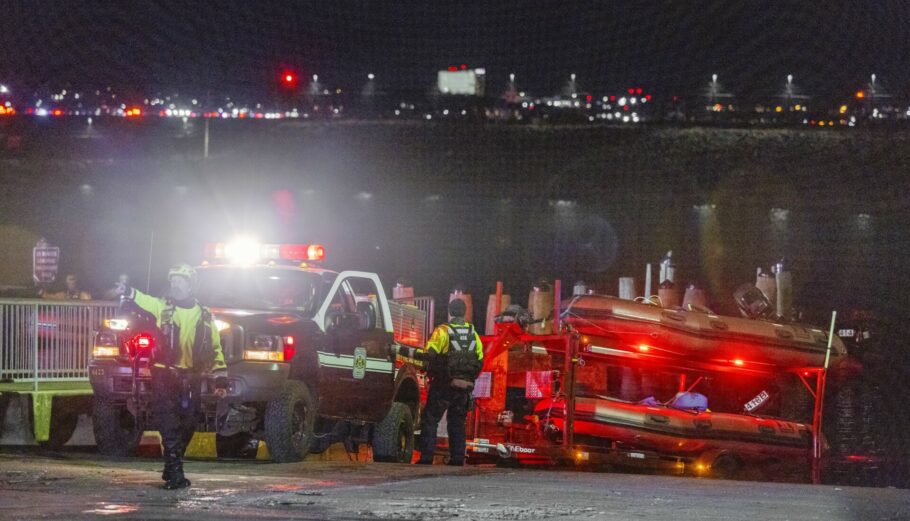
[(830, 47)]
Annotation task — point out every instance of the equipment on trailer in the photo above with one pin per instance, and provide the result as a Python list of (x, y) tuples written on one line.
[(630, 384)]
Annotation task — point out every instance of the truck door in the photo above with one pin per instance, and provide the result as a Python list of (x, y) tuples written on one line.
[(356, 375)]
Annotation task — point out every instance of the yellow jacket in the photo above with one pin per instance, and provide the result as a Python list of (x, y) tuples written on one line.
[(439, 340), (186, 319)]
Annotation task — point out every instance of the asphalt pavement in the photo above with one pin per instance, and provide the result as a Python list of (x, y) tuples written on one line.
[(70, 485)]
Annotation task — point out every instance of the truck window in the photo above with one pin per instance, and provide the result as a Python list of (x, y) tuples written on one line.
[(364, 290), (259, 288)]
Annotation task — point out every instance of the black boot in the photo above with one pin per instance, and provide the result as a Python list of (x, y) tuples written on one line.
[(173, 473)]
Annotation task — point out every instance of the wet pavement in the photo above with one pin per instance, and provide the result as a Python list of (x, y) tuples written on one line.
[(83, 486)]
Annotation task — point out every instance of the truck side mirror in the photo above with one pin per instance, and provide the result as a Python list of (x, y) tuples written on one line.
[(366, 314)]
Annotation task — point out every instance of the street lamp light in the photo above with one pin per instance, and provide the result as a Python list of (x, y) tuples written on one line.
[(3, 89)]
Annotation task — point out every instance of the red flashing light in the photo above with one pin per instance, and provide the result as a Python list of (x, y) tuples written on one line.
[(463, 66), (289, 78), (453, 69), (612, 98), (638, 90), (589, 98), (631, 91), (315, 252), (648, 97), (289, 349)]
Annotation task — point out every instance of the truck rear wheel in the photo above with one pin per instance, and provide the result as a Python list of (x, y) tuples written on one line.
[(116, 430), (393, 437), (289, 421)]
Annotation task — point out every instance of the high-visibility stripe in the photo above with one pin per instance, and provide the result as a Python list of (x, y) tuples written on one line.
[(374, 365)]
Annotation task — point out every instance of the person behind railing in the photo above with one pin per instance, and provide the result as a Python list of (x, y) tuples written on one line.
[(192, 348), (72, 291)]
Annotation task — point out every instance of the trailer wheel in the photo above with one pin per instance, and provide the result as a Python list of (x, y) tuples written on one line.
[(116, 430), (289, 421), (726, 466), (393, 437)]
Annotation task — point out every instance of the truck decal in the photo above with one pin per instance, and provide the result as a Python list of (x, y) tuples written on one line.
[(373, 365)]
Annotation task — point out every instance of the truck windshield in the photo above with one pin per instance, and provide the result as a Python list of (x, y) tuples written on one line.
[(259, 288)]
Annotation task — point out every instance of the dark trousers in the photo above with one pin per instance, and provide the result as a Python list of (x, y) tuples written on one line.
[(176, 409), (442, 398)]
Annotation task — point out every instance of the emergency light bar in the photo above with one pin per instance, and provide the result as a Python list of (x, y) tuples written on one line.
[(248, 252)]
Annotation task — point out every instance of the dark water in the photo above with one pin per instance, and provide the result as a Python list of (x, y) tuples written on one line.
[(445, 205)]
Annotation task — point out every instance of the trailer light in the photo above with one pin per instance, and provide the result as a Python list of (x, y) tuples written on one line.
[(582, 456), (117, 324), (263, 356), (105, 352)]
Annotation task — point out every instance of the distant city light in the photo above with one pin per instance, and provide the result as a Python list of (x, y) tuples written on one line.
[(371, 76)]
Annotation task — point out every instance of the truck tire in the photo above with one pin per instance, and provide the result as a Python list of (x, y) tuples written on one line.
[(393, 437), (289, 421), (116, 432)]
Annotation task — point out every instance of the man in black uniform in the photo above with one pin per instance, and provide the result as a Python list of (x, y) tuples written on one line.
[(454, 356)]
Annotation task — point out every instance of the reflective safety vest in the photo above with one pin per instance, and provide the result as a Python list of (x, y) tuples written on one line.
[(463, 361), (172, 352)]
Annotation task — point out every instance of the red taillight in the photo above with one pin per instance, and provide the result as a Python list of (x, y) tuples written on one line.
[(289, 349), (141, 344)]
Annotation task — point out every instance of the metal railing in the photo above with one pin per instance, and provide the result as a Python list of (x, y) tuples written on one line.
[(44, 340)]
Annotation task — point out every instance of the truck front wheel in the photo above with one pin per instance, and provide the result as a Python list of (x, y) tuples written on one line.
[(116, 430), (393, 437), (289, 421)]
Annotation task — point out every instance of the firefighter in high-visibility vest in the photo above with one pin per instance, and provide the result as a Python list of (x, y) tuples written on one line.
[(191, 348), (454, 355)]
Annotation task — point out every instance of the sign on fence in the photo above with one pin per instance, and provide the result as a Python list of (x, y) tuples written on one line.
[(45, 262)]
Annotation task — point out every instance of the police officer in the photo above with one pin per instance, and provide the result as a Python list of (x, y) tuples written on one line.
[(191, 347), (453, 354)]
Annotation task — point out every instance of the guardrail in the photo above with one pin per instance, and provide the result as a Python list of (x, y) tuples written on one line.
[(45, 340)]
